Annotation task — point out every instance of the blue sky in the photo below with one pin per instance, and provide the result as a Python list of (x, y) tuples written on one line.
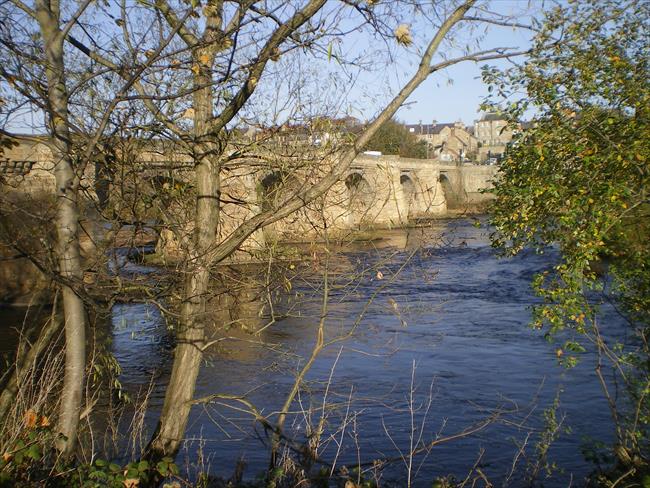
[(377, 67), (451, 95), (457, 92), (447, 97)]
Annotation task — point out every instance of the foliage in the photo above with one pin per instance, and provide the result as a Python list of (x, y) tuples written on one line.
[(551, 431), (579, 178), (32, 461), (394, 138)]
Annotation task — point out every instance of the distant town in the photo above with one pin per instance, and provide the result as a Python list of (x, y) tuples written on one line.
[(484, 142)]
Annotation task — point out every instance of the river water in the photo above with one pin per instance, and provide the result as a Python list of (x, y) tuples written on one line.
[(440, 343)]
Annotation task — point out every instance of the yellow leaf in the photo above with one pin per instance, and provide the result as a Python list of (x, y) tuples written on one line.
[(131, 483), (205, 60), (30, 418), (188, 114), (403, 35), (196, 69)]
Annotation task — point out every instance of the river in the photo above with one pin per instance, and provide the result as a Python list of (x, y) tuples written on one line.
[(443, 344)]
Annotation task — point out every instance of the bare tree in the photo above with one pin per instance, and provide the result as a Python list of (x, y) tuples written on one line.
[(53, 31), (196, 79), (37, 74), (206, 248)]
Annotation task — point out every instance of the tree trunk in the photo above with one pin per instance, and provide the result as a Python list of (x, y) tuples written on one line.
[(67, 225), (191, 332)]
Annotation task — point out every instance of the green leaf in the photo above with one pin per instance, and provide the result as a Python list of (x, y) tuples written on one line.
[(646, 481), (34, 452), (574, 346), (162, 467)]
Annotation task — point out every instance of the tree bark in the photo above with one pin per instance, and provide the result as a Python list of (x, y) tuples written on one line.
[(191, 332), (67, 225)]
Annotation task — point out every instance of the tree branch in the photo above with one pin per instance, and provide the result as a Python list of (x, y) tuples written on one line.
[(303, 197), (503, 23), (24, 8), (190, 39), (279, 36), (75, 17), (490, 54)]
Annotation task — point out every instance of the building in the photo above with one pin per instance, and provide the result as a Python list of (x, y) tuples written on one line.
[(314, 132), (493, 134), (447, 142), (492, 130)]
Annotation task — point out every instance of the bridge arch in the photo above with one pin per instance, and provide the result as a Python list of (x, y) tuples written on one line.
[(273, 187), (453, 189), (409, 195), (360, 197)]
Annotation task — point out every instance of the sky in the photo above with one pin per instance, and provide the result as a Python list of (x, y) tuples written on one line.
[(457, 93), (451, 95)]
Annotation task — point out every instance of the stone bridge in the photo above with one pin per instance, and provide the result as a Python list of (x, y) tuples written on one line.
[(378, 191), (393, 191)]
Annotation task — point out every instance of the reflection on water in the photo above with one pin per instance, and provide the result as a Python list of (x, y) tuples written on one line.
[(441, 303)]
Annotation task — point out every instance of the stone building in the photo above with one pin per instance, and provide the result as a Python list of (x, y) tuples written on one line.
[(493, 133), (447, 142)]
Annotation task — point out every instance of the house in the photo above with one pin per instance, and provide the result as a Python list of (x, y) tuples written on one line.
[(493, 134), (313, 132), (326, 129), (492, 130), (447, 142)]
